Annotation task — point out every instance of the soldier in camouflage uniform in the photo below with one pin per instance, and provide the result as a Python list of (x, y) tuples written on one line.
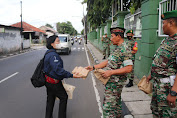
[(131, 42), (118, 64), (106, 47), (164, 69)]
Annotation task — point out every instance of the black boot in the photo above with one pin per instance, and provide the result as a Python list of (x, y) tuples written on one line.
[(104, 57), (130, 83)]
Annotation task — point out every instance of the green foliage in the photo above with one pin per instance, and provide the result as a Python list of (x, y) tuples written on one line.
[(66, 28), (82, 32), (98, 11), (48, 25), (134, 5)]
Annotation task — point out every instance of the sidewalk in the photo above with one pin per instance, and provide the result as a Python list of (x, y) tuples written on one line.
[(136, 101)]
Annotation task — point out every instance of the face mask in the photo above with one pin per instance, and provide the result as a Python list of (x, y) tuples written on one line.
[(57, 46), (129, 37)]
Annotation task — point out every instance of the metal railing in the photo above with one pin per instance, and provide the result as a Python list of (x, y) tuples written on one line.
[(164, 6), (105, 29), (134, 22), (117, 5), (114, 24)]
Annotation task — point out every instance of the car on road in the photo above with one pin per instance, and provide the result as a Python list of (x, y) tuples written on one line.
[(65, 42)]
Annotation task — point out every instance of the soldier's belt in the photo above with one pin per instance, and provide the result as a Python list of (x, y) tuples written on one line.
[(165, 80), (170, 80)]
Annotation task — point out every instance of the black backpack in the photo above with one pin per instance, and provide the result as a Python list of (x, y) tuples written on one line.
[(38, 77)]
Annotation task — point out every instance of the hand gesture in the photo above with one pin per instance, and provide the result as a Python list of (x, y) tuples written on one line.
[(106, 74), (171, 101), (76, 75), (90, 68), (148, 78)]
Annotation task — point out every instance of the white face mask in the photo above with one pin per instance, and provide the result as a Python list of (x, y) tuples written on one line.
[(57, 46)]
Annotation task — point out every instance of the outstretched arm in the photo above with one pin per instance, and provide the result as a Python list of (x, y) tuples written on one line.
[(100, 65)]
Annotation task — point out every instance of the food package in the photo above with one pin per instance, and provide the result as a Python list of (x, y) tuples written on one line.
[(69, 90), (97, 74), (81, 71)]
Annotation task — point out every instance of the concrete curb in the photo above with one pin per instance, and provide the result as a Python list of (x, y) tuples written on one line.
[(93, 56)]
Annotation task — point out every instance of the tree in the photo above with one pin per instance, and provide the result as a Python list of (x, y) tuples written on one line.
[(98, 11), (82, 32), (48, 25), (134, 5), (66, 28)]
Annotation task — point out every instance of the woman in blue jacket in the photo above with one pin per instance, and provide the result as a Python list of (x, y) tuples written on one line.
[(53, 66)]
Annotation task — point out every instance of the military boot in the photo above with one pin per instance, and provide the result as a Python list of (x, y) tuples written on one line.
[(130, 83)]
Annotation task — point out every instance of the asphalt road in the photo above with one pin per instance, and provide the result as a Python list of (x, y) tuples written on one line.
[(19, 99)]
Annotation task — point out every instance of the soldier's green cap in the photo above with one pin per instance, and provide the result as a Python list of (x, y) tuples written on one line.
[(105, 34), (130, 31), (170, 14)]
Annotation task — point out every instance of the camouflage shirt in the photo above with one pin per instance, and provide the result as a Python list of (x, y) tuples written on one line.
[(164, 63), (131, 44), (121, 57), (106, 41)]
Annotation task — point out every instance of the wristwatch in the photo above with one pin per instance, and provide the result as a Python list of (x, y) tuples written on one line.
[(173, 93), (93, 68)]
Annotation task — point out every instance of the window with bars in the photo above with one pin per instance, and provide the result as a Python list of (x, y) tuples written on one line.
[(134, 22), (164, 6)]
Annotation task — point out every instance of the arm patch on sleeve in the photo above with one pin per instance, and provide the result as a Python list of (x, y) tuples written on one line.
[(127, 62)]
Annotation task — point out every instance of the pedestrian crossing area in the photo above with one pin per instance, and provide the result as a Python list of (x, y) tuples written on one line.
[(77, 48)]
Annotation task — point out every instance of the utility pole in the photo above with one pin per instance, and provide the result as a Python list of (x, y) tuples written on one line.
[(85, 28), (21, 30), (21, 20)]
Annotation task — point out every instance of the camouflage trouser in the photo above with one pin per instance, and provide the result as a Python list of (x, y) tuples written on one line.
[(130, 75), (159, 105), (106, 48), (112, 99)]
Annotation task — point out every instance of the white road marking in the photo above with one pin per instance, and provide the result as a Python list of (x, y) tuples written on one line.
[(94, 86), (78, 48), (74, 48), (8, 77)]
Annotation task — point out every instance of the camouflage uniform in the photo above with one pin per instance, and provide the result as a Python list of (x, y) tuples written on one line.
[(131, 42), (106, 42), (121, 57), (164, 65)]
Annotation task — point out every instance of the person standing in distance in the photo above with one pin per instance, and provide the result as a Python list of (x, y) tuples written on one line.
[(164, 70), (119, 63), (106, 46), (55, 73), (131, 42)]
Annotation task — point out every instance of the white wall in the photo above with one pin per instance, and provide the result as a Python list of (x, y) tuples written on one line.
[(10, 41), (26, 43)]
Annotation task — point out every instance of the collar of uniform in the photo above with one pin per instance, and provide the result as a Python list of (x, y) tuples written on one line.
[(52, 49), (174, 37)]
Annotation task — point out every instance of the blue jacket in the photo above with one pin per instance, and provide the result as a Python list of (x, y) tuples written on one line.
[(54, 64)]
